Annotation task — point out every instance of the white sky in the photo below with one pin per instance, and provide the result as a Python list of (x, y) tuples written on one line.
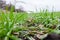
[(33, 5)]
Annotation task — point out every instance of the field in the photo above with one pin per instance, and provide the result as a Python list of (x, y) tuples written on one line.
[(24, 26)]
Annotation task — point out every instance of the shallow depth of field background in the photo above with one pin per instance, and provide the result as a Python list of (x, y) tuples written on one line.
[(35, 5)]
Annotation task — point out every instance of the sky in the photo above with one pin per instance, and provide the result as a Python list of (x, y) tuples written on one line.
[(35, 5)]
